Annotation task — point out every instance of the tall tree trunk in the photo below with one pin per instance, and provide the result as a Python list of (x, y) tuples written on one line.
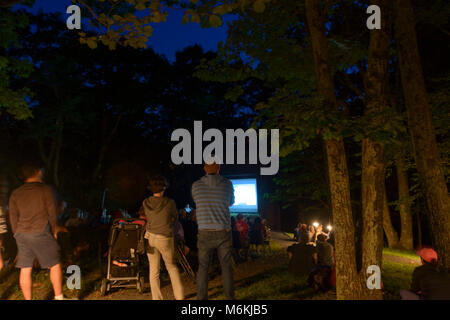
[(348, 285), (419, 229), (373, 152), (422, 130), (406, 236), (391, 234)]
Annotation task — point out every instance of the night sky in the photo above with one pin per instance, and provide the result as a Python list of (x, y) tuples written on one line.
[(167, 38)]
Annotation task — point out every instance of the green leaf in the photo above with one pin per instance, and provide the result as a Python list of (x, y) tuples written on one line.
[(215, 21), (195, 18), (185, 19), (92, 43), (259, 6)]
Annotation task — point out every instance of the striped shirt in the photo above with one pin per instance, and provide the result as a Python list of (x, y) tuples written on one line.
[(213, 194)]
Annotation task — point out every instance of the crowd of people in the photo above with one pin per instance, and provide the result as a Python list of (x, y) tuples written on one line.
[(48, 234), (313, 256)]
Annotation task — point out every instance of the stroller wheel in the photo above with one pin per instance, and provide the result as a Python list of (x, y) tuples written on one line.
[(104, 288), (140, 284)]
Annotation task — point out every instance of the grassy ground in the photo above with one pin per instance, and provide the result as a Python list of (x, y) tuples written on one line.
[(262, 278), (402, 253)]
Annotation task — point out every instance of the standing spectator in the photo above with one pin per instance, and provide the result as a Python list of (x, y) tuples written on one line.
[(33, 216), (257, 234), (161, 213), (236, 237), (242, 227), (213, 194)]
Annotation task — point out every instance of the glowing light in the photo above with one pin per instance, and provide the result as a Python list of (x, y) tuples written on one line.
[(315, 224), (329, 228)]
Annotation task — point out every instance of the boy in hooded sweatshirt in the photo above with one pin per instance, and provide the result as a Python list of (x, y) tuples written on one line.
[(160, 213)]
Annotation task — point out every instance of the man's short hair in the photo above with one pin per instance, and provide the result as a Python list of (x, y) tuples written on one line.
[(158, 184), (322, 237), (29, 170)]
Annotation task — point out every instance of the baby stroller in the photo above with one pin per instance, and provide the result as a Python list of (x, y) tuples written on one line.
[(125, 245)]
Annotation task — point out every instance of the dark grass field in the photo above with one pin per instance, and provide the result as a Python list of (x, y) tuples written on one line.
[(257, 279)]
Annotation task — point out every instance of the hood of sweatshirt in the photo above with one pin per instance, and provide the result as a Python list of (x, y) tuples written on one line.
[(155, 204), (212, 180)]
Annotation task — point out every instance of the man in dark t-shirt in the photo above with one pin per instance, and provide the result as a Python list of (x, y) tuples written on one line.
[(33, 216), (302, 256)]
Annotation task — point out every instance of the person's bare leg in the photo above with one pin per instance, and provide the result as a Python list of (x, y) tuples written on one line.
[(56, 279), (26, 282)]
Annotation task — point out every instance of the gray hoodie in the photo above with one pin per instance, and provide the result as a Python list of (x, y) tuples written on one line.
[(160, 211)]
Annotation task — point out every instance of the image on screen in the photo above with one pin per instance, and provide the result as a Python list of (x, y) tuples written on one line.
[(245, 196)]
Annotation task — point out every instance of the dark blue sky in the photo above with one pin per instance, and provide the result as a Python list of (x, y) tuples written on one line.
[(167, 38)]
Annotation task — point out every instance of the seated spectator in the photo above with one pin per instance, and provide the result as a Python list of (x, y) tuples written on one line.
[(302, 257), (429, 282), (311, 235), (73, 221), (320, 276), (325, 251)]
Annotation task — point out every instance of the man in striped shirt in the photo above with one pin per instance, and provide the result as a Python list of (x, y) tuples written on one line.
[(213, 195)]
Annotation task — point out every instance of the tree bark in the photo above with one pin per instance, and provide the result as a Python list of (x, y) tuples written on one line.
[(391, 234), (406, 235), (373, 152), (422, 130), (348, 285)]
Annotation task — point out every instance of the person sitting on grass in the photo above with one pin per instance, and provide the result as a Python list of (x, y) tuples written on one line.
[(429, 282), (302, 257), (320, 276)]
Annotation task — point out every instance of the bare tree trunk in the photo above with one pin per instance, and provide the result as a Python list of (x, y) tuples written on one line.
[(373, 152), (406, 236), (422, 130), (391, 234), (348, 285), (419, 229)]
